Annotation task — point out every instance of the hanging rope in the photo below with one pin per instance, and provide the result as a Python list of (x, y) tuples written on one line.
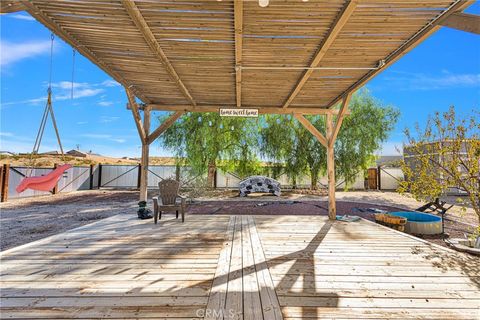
[(52, 37), (48, 110)]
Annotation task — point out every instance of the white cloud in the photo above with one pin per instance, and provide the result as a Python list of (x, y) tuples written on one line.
[(79, 93), (110, 83), (6, 134), (96, 136), (105, 103), (82, 122), (106, 119), (62, 91), (21, 17), (14, 52), (100, 136), (420, 81)]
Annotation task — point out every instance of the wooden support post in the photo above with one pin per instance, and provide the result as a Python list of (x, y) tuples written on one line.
[(145, 154), (55, 189), (4, 187), (99, 176), (332, 207)]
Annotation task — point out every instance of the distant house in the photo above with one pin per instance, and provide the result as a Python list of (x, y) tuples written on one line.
[(50, 153), (389, 161), (411, 156), (77, 153), (6, 153)]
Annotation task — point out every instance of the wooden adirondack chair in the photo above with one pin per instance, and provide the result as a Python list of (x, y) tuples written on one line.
[(168, 200)]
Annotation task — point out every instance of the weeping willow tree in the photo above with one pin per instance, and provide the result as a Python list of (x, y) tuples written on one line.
[(369, 124), (362, 134), (285, 140), (206, 141)]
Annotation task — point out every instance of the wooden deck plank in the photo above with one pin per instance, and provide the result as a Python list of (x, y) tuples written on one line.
[(263, 267), (252, 306), (270, 303), (218, 293), (361, 266), (234, 302)]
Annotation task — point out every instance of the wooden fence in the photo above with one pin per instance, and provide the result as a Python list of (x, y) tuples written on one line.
[(127, 177)]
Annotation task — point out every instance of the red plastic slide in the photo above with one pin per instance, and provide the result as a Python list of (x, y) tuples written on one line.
[(43, 183)]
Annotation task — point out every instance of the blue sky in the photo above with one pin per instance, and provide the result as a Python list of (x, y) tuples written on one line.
[(442, 71)]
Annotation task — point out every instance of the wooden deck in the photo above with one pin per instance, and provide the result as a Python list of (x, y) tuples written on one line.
[(237, 267)]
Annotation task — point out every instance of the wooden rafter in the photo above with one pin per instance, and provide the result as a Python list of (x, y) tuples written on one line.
[(310, 127), (464, 22), (340, 116), (35, 12), (136, 115), (337, 26), (261, 110), (152, 42), (9, 6), (164, 126), (238, 17), (407, 47)]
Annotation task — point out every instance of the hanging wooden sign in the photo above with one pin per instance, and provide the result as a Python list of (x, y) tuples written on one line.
[(238, 112)]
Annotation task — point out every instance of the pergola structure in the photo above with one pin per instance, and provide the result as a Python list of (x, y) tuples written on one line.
[(291, 57)]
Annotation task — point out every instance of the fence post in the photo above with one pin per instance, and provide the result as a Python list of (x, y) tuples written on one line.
[(139, 178), (92, 168), (379, 177), (4, 186), (99, 176), (177, 172), (1, 179), (55, 189)]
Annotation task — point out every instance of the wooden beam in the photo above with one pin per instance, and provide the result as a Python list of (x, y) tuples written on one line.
[(10, 6), (337, 26), (332, 206), (464, 22), (164, 126), (340, 116), (261, 110), (238, 22), (136, 115), (152, 42), (310, 127), (415, 40), (144, 159), (71, 40)]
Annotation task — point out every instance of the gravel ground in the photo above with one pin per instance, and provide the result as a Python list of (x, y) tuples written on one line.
[(29, 219)]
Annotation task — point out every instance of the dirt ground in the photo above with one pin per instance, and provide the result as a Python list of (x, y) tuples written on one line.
[(29, 219)]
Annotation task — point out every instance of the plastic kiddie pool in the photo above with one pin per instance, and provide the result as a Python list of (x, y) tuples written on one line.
[(420, 222)]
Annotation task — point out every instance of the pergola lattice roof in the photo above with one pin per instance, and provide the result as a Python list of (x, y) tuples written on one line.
[(207, 53)]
